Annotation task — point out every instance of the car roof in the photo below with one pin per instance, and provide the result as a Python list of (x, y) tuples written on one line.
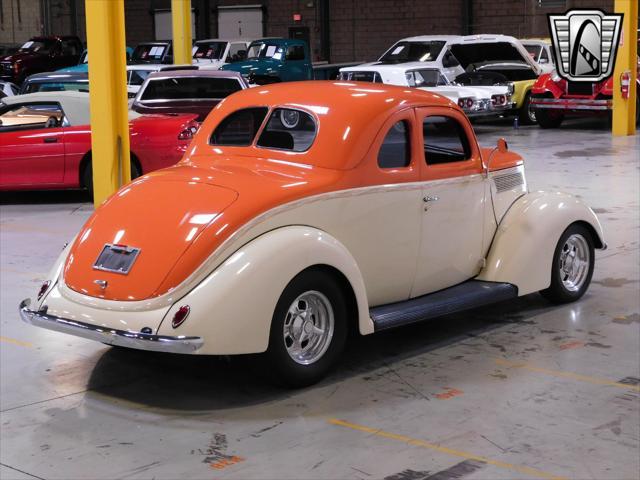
[(229, 40), (62, 76), (346, 136), (280, 40), (197, 73), (405, 66), (74, 104), (429, 38)]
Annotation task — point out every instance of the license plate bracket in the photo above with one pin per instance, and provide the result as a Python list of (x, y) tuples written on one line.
[(116, 258)]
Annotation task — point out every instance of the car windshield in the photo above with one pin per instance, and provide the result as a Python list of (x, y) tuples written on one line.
[(148, 53), (264, 50), (429, 77), (182, 88), (413, 52), (39, 46), (209, 50), (137, 77), (56, 86), (534, 50)]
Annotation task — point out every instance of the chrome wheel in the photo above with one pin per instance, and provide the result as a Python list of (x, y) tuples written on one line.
[(531, 112), (574, 262), (308, 327)]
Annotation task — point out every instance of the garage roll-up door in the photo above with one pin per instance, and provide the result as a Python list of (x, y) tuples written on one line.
[(240, 21)]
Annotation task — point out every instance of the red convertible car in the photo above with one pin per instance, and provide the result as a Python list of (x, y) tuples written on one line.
[(45, 141)]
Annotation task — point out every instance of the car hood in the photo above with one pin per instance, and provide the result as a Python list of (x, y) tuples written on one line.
[(178, 217), (18, 56), (247, 67)]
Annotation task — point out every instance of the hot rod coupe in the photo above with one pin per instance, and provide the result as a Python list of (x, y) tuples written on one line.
[(306, 210)]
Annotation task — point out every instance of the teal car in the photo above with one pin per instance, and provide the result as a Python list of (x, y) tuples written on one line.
[(83, 63), (271, 60)]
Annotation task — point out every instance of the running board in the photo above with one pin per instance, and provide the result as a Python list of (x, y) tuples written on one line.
[(470, 294)]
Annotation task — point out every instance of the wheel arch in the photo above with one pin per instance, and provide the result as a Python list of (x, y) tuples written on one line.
[(86, 160), (524, 243), (232, 308)]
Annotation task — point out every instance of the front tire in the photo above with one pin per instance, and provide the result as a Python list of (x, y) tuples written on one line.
[(527, 113), (572, 267), (308, 329)]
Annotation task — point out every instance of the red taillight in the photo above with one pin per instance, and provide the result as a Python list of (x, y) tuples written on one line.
[(180, 316), (188, 133), (469, 102), (498, 100), (461, 103), (16, 68), (43, 289)]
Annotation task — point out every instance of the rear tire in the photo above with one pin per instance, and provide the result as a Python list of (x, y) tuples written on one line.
[(572, 267), (549, 118), (87, 174), (308, 329)]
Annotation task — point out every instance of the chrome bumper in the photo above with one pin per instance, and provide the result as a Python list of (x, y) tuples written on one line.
[(572, 103), (120, 338)]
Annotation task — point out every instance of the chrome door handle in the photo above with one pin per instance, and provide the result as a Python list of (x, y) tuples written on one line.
[(429, 198)]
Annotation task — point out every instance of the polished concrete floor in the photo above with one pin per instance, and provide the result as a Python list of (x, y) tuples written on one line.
[(520, 390)]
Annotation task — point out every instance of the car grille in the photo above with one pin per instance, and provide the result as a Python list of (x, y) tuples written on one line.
[(580, 88)]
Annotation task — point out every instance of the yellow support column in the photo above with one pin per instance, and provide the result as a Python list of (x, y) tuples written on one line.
[(624, 110), (108, 93), (181, 22)]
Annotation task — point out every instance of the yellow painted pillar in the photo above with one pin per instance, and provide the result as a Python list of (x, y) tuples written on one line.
[(624, 110), (108, 93), (181, 22)]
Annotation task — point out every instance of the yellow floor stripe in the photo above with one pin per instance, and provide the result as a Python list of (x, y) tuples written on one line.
[(563, 374), (16, 342), (457, 453)]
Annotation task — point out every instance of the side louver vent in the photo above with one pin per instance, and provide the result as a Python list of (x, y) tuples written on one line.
[(508, 182)]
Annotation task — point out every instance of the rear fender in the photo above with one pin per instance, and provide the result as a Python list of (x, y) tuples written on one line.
[(232, 308), (524, 243)]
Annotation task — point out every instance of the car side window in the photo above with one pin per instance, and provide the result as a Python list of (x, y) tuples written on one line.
[(31, 116), (295, 52), (395, 151), (239, 128), (544, 56), (449, 61), (445, 140), (237, 52)]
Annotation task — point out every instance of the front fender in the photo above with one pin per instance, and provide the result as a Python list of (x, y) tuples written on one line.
[(524, 243), (232, 308)]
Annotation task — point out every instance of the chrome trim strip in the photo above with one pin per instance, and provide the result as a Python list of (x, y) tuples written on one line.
[(120, 338)]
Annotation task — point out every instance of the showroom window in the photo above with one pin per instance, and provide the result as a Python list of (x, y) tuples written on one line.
[(288, 129), (395, 151), (239, 128), (445, 140)]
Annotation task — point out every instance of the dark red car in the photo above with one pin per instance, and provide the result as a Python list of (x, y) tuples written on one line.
[(45, 141), (40, 54)]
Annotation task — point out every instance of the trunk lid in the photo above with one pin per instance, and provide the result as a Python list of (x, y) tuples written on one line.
[(162, 215)]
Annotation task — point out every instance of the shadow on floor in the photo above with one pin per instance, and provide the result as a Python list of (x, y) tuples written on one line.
[(44, 197), (204, 384)]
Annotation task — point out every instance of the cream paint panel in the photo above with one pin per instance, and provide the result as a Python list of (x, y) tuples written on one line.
[(380, 226), (232, 309), (502, 201), (61, 306), (522, 251), (452, 233)]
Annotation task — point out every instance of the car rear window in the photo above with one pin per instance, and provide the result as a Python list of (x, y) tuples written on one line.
[(288, 129), (239, 128), (183, 88), (56, 87), (209, 50), (415, 51)]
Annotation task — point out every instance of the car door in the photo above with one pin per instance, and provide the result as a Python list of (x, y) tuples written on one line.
[(454, 201), (31, 145), (295, 65)]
